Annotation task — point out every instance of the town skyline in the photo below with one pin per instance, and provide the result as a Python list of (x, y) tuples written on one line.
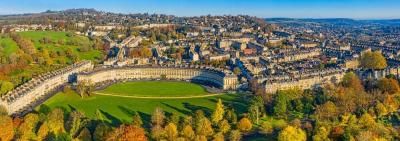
[(353, 9)]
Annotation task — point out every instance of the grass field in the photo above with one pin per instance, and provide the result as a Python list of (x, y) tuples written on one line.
[(120, 110), (155, 88), (57, 37), (9, 46)]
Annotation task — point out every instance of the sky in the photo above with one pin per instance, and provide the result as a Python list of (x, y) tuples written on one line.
[(356, 9)]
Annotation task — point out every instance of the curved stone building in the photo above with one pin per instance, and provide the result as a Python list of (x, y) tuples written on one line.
[(220, 78), (32, 93)]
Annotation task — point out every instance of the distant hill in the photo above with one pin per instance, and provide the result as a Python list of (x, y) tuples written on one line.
[(334, 21)]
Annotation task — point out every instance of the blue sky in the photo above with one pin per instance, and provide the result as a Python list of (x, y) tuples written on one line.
[(359, 9)]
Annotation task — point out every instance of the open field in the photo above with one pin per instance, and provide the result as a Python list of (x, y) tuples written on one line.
[(61, 41), (8, 45), (120, 109)]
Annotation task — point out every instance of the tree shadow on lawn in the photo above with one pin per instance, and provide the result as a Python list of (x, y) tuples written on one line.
[(185, 112), (194, 108), (146, 118), (126, 111), (113, 120), (238, 103)]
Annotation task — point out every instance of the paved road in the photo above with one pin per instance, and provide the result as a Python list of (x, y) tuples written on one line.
[(169, 97)]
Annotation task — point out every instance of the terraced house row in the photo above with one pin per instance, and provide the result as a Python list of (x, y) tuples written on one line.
[(223, 79), (303, 80), (25, 97)]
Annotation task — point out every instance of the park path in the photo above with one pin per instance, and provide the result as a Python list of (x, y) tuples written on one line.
[(156, 97)]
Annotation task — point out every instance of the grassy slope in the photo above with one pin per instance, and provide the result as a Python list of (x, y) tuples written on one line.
[(147, 88), (118, 109), (9, 45), (55, 37)]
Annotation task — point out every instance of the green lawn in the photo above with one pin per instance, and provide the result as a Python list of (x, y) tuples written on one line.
[(9, 46), (155, 88), (58, 37), (119, 109)]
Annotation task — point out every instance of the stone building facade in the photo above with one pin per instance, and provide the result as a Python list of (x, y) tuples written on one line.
[(306, 81), (223, 79), (25, 97)]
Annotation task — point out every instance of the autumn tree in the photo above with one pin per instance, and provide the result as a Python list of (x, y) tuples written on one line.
[(188, 132), (101, 131), (84, 135), (27, 129), (389, 85), (137, 120), (235, 135), (171, 131), (231, 116), (6, 128), (76, 121), (351, 80), (224, 126), (322, 134), (291, 133), (244, 125), (327, 111), (55, 121), (128, 133), (373, 60), (203, 127), (219, 137), (219, 111), (157, 118)]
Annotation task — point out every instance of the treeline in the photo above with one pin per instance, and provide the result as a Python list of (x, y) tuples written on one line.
[(351, 110), (56, 124)]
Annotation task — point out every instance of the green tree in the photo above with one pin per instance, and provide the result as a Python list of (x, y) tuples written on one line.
[(280, 105), (5, 86), (219, 111), (256, 109), (231, 115), (291, 133)]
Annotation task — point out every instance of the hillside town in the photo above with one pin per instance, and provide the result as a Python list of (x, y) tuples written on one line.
[(242, 54)]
